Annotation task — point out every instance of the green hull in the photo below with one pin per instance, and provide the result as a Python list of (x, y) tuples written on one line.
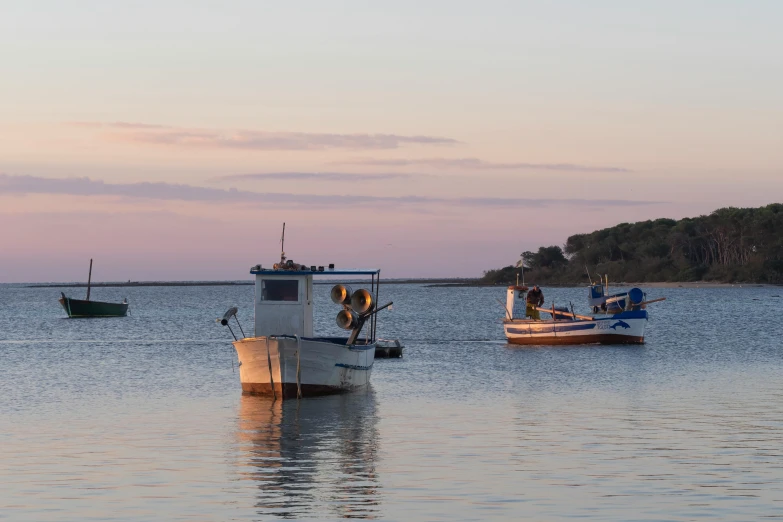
[(80, 308)]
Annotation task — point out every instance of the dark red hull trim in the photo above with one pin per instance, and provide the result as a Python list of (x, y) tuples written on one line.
[(578, 339), (288, 390)]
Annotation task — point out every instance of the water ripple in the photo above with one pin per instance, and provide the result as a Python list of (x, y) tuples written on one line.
[(142, 417)]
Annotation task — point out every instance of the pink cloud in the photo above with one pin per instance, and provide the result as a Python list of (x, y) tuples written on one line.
[(318, 176), (181, 192), (477, 164), (118, 125), (257, 140)]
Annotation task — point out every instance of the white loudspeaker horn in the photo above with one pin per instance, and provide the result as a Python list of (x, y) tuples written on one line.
[(341, 294), (347, 320), (361, 301)]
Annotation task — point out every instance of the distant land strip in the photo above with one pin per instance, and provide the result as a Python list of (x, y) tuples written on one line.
[(140, 283), (438, 282)]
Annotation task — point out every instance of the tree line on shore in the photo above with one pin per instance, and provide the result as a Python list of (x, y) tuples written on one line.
[(743, 245)]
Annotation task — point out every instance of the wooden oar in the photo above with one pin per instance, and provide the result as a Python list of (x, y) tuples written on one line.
[(553, 312), (508, 314)]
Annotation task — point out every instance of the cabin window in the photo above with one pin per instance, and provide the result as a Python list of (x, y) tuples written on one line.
[(280, 290)]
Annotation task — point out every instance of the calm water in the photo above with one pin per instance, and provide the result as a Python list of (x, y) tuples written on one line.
[(142, 417)]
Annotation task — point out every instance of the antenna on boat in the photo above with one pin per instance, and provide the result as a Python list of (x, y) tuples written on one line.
[(521, 266), (89, 278), (282, 247), (588, 275)]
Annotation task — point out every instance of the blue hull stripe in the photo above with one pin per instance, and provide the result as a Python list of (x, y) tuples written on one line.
[(633, 314), (559, 328), (572, 327), (353, 367), (361, 348)]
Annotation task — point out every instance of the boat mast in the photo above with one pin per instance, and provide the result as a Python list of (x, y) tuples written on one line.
[(282, 247), (89, 278), (521, 266)]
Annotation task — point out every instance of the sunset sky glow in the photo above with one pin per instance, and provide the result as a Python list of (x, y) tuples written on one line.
[(170, 140)]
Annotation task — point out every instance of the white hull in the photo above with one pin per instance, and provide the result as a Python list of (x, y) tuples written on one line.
[(624, 328), (324, 366)]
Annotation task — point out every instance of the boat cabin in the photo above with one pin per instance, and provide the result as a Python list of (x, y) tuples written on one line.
[(283, 304), (283, 301), (515, 301)]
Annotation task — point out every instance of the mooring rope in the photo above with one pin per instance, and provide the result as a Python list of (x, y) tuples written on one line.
[(269, 360), (298, 370)]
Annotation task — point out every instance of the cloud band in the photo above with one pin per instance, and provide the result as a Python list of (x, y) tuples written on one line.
[(180, 192)]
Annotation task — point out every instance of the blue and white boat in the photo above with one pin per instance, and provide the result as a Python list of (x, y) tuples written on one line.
[(566, 327), (602, 302)]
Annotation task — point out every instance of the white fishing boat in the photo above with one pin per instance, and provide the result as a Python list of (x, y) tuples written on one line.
[(567, 327), (284, 358)]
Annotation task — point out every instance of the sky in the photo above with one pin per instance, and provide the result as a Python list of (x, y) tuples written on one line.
[(170, 140)]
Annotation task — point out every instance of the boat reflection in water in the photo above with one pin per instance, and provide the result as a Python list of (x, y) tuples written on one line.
[(313, 457)]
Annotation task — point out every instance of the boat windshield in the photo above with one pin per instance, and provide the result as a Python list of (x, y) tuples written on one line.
[(280, 290)]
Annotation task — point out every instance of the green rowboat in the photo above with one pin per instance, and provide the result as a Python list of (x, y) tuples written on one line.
[(83, 308), (87, 308)]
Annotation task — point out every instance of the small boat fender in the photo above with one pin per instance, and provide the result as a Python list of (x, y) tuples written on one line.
[(636, 295), (231, 312)]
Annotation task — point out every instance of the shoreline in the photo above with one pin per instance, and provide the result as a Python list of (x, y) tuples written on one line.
[(700, 284), (657, 284), (428, 282)]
